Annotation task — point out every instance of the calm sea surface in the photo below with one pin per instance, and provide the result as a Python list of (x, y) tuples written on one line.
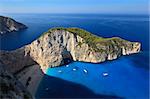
[(127, 77)]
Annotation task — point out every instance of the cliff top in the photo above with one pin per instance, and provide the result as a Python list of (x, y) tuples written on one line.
[(92, 40)]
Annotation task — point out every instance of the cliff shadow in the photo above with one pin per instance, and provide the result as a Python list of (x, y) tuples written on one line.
[(52, 87)]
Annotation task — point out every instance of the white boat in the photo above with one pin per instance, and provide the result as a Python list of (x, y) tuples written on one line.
[(59, 71), (74, 69), (105, 74), (85, 71), (67, 65)]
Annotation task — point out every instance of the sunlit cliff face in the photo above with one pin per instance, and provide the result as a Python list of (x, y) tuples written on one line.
[(137, 47)]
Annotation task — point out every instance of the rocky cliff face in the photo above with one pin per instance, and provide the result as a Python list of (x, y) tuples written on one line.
[(18, 67), (10, 87), (60, 46), (9, 25), (16, 60)]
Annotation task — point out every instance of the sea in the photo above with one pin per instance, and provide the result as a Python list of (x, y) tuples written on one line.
[(127, 77)]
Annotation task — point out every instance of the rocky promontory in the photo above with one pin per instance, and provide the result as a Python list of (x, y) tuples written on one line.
[(60, 46), (8, 25)]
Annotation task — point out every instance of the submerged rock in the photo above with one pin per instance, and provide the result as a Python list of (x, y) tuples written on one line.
[(9, 25)]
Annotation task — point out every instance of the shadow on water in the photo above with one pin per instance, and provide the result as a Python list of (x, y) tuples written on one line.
[(52, 87)]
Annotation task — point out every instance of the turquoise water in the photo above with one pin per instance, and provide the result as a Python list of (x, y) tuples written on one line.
[(125, 78)]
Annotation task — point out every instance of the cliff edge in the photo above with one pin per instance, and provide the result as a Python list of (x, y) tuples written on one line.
[(59, 46), (8, 25)]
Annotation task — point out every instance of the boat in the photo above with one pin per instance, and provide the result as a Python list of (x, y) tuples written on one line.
[(59, 71), (85, 71), (74, 69), (105, 74), (67, 65)]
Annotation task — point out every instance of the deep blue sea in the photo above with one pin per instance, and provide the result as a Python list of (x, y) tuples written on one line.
[(128, 76)]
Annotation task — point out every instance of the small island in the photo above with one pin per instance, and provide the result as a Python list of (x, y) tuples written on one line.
[(8, 25)]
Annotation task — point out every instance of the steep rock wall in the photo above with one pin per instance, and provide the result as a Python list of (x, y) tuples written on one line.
[(10, 87), (58, 47)]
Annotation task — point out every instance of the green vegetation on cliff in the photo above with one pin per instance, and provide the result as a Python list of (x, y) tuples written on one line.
[(87, 36), (95, 42)]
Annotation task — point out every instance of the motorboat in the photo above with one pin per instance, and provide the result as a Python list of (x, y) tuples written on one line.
[(85, 71), (105, 74)]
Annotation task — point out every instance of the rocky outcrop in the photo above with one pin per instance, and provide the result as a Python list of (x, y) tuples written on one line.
[(16, 60), (9, 25), (18, 63), (24, 68), (10, 87), (59, 46)]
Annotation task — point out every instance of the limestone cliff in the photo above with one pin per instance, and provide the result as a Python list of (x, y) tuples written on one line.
[(9, 25), (61, 45)]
